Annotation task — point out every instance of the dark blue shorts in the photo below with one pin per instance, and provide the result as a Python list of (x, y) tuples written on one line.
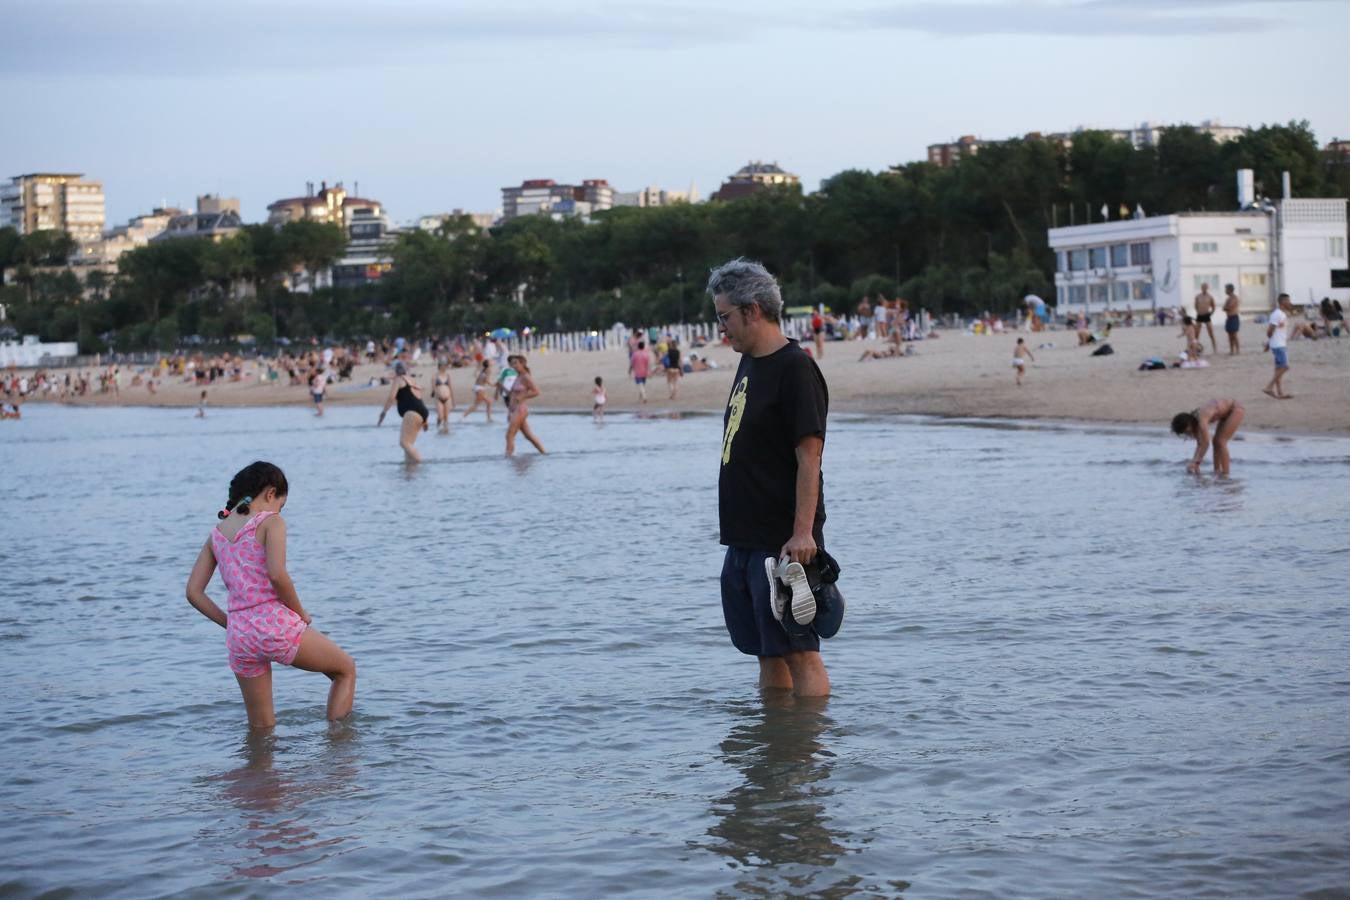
[(745, 606)]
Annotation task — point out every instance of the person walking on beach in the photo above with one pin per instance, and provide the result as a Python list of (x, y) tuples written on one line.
[(480, 390), (1231, 320), (1204, 312), (1225, 416), (201, 406), (1021, 353), (266, 622), (518, 398), (640, 366), (405, 392), (1277, 342), (818, 332), (445, 397), (771, 507), (672, 364)]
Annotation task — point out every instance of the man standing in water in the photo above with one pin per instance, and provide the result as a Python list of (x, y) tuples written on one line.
[(770, 498)]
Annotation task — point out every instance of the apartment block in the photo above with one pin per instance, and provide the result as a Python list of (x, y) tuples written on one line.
[(43, 201), (545, 196)]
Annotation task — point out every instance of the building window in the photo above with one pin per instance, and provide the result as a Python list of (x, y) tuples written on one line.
[(1205, 247), (1211, 280), (1097, 293), (1077, 260), (1061, 295), (1140, 255), (1336, 247), (1120, 256), (1141, 290), (1253, 279), (1059, 262), (1097, 258), (1076, 293), (1253, 245), (1120, 291)]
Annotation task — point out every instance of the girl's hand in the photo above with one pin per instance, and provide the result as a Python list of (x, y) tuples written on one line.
[(306, 617), (1193, 468)]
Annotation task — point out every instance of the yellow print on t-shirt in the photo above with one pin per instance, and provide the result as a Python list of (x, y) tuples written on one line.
[(737, 406)]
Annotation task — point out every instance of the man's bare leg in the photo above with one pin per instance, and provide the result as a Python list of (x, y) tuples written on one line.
[(774, 673), (808, 675)]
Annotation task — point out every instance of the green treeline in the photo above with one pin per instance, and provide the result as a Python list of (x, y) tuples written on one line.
[(962, 239)]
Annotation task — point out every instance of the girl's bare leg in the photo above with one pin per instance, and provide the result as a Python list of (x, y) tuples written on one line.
[(529, 435), (257, 693), (1227, 428), (318, 653)]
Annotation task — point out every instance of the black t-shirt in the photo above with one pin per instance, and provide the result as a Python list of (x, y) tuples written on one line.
[(775, 401)]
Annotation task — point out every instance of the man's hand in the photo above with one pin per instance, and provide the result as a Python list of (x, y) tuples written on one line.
[(1193, 468), (800, 548)]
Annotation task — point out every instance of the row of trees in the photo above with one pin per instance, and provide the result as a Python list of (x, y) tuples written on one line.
[(962, 239)]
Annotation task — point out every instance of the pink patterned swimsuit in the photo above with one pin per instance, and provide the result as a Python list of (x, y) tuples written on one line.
[(260, 629)]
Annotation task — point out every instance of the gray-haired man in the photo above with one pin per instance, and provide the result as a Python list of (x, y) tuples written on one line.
[(770, 489)]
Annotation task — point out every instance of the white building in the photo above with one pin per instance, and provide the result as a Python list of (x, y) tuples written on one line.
[(481, 221), (544, 195), (655, 196), (1161, 261)]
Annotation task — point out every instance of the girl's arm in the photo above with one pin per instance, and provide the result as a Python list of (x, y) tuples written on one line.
[(274, 543), (202, 570), (1201, 445)]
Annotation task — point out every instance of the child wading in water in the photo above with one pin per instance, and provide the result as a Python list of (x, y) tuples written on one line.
[(266, 621), (598, 400)]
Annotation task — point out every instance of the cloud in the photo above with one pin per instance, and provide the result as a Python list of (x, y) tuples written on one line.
[(171, 37), (191, 39), (1080, 18)]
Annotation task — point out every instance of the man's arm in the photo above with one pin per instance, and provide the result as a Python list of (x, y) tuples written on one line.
[(802, 545)]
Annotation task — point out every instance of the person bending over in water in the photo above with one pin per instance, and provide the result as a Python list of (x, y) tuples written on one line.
[(266, 622), (411, 407), (1226, 416)]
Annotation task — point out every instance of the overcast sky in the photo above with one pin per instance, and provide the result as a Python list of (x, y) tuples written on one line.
[(434, 105)]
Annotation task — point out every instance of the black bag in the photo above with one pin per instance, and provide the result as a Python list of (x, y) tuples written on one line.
[(1103, 350)]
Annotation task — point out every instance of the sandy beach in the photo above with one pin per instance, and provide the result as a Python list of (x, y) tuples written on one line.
[(955, 375)]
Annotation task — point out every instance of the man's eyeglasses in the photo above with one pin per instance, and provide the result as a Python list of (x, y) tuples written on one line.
[(725, 317)]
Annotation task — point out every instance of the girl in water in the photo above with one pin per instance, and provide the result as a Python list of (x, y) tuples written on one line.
[(266, 622), (598, 400), (1226, 416), (445, 397), (518, 396), (408, 395), (480, 391)]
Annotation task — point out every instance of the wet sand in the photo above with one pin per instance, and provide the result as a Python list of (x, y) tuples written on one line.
[(956, 375)]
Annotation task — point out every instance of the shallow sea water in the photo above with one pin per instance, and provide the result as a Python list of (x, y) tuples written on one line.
[(1068, 669)]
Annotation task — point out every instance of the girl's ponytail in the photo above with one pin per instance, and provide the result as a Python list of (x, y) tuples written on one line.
[(251, 481)]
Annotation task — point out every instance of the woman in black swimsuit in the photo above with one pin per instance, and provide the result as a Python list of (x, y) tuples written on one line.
[(408, 395)]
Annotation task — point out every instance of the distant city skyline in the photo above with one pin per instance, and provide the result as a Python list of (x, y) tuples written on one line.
[(432, 106)]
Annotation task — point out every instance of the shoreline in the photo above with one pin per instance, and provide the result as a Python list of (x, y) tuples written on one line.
[(955, 376)]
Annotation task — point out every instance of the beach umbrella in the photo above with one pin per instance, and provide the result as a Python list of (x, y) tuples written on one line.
[(500, 333)]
